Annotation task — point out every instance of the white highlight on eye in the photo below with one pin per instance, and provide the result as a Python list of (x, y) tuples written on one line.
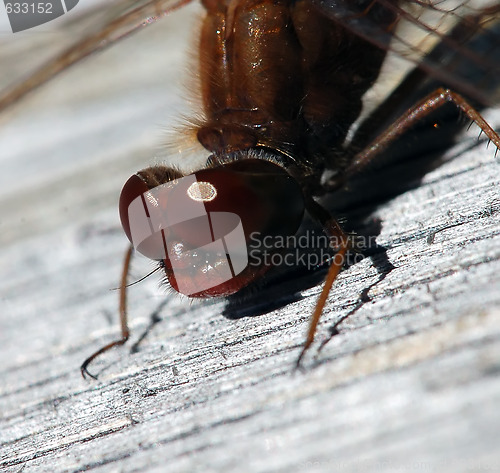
[(202, 191)]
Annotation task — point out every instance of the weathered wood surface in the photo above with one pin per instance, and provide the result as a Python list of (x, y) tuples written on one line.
[(410, 384)]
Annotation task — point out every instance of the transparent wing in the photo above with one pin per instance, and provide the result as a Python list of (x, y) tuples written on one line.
[(456, 42), (96, 30)]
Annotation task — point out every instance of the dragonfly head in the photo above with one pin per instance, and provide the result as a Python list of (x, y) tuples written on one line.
[(210, 229)]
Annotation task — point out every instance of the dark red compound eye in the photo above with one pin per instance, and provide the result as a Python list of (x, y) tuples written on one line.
[(203, 224)]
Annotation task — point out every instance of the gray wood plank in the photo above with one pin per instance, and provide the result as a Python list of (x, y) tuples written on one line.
[(410, 383)]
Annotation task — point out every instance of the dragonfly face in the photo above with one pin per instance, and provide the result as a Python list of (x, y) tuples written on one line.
[(199, 226)]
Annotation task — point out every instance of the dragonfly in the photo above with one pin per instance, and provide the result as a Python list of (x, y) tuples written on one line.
[(287, 115)]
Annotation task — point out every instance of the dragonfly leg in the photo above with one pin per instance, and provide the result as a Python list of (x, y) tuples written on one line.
[(342, 242), (123, 316)]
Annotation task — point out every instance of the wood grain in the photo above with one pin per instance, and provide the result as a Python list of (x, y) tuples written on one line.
[(411, 382)]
